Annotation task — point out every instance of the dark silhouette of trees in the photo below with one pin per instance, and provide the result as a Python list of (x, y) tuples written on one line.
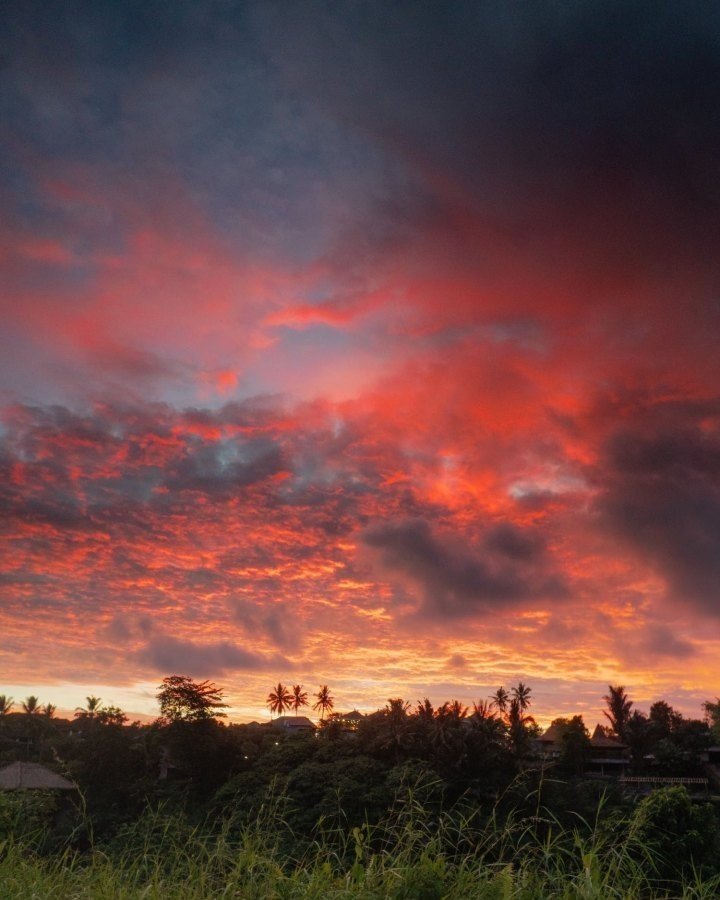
[(425, 710), (500, 699), (575, 743), (90, 711), (483, 709), (618, 711), (111, 715), (521, 693), (712, 715), (31, 706), (49, 710), (6, 704), (182, 699), (324, 701), (279, 699), (299, 697)]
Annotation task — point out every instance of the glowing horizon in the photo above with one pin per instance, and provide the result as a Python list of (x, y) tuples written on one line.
[(358, 346)]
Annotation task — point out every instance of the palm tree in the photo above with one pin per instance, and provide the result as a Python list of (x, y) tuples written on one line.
[(89, 711), (31, 706), (618, 711), (324, 701), (500, 699), (425, 710), (518, 726), (6, 704), (49, 710), (299, 698), (521, 693), (279, 699), (482, 710)]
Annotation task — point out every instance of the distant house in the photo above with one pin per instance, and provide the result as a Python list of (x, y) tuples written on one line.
[(27, 776), (550, 743), (294, 724), (346, 721), (609, 756)]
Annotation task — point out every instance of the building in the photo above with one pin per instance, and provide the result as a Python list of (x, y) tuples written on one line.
[(294, 724), (28, 776)]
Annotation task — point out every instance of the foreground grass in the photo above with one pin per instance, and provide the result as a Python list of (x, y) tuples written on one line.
[(413, 855)]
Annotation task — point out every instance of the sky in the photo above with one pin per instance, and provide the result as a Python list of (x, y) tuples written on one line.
[(365, 344)]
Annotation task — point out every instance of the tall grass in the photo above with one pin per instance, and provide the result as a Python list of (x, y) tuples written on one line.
[(416, 853)]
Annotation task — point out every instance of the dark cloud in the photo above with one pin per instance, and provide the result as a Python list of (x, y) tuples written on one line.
[(661, 496), (456, 581), (521, 107), (515, 543), (168, 654), (279, 621)]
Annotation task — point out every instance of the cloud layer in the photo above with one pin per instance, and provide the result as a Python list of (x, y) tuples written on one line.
[(373, 340)]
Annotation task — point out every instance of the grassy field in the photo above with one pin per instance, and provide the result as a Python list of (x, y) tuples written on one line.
[(414, 854)]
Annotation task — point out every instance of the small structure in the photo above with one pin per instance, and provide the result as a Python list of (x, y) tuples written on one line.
[(608, 755), (294, 724), (550, 743), (28, 776), (346, 721)]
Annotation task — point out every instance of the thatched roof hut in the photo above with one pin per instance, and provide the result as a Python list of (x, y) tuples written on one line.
[(27, 776)]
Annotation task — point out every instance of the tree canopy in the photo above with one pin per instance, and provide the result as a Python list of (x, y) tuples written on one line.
[(182, 699)]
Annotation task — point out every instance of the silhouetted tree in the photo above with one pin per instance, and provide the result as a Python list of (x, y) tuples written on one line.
[(618, 711), (664, 720), (90, 710), (279, 699), (500, 699), (522, 693), (49, 710), (637, 737), (482, 710), (182, 699), (425, 710), (712, 715), (6, 704), (299, 697), (111, 715), (324, 701), (31, 706)]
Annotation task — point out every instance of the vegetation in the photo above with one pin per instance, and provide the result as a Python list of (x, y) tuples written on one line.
[(420, 802)]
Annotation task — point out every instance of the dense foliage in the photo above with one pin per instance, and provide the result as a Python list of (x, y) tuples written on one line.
[(423, 802)]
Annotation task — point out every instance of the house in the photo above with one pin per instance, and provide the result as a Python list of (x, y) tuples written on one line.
[(27, 776), (608, 756), (294, 724), (550, 744), (346, 721)]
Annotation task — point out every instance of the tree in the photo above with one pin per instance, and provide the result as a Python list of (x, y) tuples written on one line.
[(111, 715), (618, 711), (91, 710), (183, 700), (664, 719), (680, 835), (500, 699), (576, 744), (425, 710), (279, 699), (324, 701), (49, 710), (712, 715), (521, 694), (299, 698), (520, 725), (6, 704), (482, 710), (31, 706)]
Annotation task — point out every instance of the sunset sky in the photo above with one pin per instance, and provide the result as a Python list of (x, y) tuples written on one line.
[(373, 344)]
